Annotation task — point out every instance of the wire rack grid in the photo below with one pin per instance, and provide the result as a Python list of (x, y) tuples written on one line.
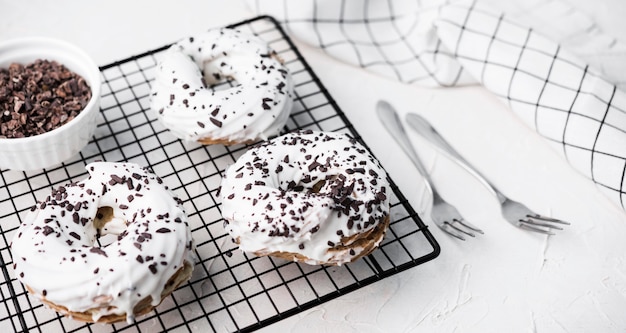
[(229, 290)]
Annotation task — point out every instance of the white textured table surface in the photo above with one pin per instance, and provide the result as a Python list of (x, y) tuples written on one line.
[(508, 280)]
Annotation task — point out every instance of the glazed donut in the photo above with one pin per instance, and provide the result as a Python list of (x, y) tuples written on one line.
[(255, 108), (57, 258), (312, 197)]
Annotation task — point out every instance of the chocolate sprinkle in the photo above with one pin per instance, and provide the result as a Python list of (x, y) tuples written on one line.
[(98, 250), (47, 230), (216, 122)]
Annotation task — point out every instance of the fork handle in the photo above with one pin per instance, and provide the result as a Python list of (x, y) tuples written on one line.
[(392, 123), (428, 132)]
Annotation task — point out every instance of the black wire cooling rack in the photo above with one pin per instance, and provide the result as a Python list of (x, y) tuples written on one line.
[(229, 290)]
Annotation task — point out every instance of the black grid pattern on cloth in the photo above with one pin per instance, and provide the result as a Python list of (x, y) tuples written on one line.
[(397, 38), (575, 31), (560, 97), (229, 290), (387, 37)]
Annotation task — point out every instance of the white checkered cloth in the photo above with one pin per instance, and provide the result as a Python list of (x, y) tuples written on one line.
[(579, 110)]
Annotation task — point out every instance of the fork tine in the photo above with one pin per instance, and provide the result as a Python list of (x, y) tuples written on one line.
[(527, 226), (460, 229), (469, 226), (450, 230), (547, 219), (541, 224)]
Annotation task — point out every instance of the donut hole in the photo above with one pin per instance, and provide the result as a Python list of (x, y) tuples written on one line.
[(323, 184), (103, 216), (215, 78), (318, 186), (106, 233), (222, 84)]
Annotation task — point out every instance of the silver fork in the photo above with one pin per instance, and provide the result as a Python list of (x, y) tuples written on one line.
[(515, 212), (442, 213)]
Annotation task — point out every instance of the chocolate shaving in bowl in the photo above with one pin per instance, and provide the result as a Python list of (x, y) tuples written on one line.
[(39, 97)]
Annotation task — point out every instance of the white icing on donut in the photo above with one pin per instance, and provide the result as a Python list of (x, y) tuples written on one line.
[(56, 255), (269, 206), (256, 108)]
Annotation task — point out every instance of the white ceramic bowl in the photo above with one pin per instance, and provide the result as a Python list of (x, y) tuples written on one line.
[(53, 147)]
